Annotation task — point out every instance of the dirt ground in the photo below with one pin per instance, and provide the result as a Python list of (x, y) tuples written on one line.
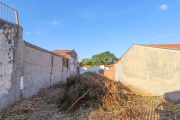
[(43, 107)]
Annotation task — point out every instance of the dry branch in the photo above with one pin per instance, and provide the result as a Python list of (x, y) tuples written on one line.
[(77, 100)]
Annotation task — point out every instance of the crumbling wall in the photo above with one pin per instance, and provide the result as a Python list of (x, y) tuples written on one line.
[(73, 66), (25, 68), (7, 40), (10, 69)]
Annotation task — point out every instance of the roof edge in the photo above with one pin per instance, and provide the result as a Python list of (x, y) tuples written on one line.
[(161, 46)]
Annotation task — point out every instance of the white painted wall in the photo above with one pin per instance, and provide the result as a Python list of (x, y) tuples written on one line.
[(95, 69)]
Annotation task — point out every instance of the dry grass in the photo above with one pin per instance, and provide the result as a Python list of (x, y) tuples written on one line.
[(107, 100)]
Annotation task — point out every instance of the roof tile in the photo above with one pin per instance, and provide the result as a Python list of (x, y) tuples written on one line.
[(176, 46)]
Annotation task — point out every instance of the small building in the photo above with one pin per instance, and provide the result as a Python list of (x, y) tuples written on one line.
[(93, 69), (109, 71), (69, 60), (108, 67), (154, 68)]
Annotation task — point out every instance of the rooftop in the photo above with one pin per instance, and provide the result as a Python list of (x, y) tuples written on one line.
[(65, 53), (118, 61), (62, 51), (175, 46)]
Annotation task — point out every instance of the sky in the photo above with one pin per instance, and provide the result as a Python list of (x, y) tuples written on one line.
[(95, 26)]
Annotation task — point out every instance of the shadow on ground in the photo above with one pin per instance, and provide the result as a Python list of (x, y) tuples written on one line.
[(169, 108)]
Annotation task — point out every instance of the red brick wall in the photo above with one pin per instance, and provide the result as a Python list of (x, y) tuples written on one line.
[(110, 74)]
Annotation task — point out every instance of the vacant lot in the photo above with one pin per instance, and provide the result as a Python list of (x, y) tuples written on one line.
[(108, 100)]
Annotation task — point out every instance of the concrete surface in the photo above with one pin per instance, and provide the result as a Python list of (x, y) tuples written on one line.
[(73, 63), (57, 69), (173, 96), (10, 63), (155, 70), (7, 40), (37, 71), (66, 73), (72, 66), (25, 68)]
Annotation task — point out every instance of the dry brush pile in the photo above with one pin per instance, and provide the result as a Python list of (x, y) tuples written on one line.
[(95, 91), (93, 97)]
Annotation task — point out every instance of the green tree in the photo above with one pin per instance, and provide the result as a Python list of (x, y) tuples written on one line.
[(104, 58), (85, 62)]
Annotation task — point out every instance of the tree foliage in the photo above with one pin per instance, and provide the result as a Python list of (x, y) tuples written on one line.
[(104, 58)]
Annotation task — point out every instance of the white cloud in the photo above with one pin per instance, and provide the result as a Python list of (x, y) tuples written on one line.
[(54, 22), (41, 32), (27, 33), (163, 7)]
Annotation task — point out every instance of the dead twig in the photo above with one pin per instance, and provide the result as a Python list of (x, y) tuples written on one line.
[(77, 100)]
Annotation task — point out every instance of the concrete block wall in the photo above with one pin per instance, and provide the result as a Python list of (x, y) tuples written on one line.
[(25, 68), (66, 73), (10, 62), (155, 70), (8, 34), (57, 70), (41, 69), (73, 66), (37, 70)]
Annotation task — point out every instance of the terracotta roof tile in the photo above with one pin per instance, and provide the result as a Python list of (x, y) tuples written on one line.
[(110, 65), (175, 46), (65, 53), (118, 61), (62, 51)]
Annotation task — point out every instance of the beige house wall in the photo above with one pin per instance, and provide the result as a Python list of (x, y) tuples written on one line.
[(155, 70)]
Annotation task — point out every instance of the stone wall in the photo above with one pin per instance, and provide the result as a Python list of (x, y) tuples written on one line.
[(155, 70)]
